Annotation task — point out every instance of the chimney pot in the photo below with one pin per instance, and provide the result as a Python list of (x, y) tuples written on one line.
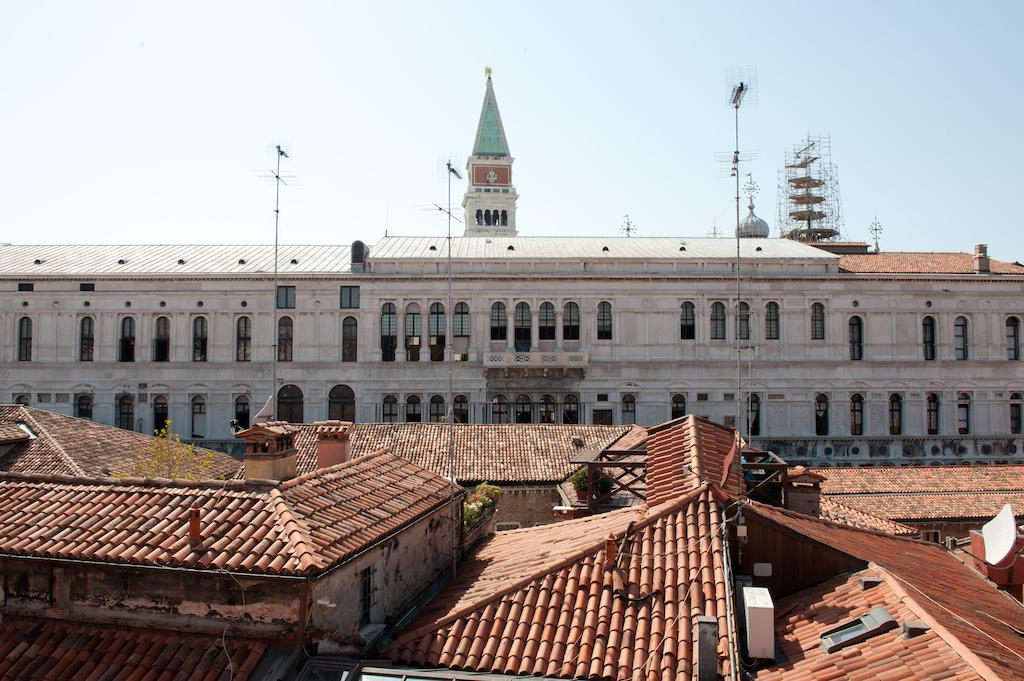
[(982, 264), (706, 664), (332, 442), (610, 549), (195, 534)]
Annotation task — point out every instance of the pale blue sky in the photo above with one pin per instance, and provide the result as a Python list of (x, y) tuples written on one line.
[(146, 123)]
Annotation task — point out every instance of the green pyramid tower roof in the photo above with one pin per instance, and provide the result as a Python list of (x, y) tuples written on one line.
[(490, 133)]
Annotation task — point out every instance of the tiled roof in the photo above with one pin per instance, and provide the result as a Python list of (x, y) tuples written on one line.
[(686, 450), (300, 526), (876, 479), (983, 619), (548, 601), (162, 260), (65, 445), (830, 509), (921, 263), (927, 506), (11, 433), (508, 453), (803, 617), (41, 649)]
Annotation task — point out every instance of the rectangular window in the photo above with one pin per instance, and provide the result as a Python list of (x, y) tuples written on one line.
[(86, 287), (349, 297), (285, 297), (26, 287), (365, 595), (602, 417), (687, 322)]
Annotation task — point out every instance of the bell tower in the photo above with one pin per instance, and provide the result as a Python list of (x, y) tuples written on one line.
[(490, 200)]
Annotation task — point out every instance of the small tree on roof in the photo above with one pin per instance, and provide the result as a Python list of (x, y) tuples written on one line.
[(166, 456)]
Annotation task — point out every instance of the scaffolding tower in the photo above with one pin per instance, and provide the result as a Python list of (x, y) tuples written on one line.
[(810, 208)]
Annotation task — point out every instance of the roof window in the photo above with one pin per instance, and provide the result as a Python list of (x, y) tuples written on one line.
[(38, 261), (604, 249), (433, 248), (241, 261), (876, 621), (511, 248), (295, 261), (682, 248), (122, 261), (181, 261)]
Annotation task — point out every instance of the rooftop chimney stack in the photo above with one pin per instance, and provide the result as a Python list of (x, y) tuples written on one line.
[(981, 261), (270, 452), (706, 633), (195, 535), (803, 491), (332, 442)]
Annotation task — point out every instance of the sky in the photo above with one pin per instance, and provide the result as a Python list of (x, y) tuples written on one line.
[(127, 122)]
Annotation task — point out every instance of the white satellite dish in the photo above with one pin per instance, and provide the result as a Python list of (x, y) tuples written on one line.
[(1000, 535)]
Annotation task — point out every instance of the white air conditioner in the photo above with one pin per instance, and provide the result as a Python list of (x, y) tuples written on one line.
[(760, 616)]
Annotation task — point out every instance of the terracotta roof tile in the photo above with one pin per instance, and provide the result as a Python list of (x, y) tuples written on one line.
[(803, 617), (921, 263), (65, 445), (549, 601), (831, 509), (32, 649), (983, 619), (686, 450), (520, 453), (315, 520), (923, 506), (11, 433)]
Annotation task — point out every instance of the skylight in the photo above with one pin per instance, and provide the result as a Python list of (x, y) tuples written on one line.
[(876, 621)]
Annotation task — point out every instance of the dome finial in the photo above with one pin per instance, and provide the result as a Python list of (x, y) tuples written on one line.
[(487, 72)]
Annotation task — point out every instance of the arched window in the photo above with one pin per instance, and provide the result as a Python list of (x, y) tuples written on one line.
[(717, 321), (1012, 338), (753, 414), (743, 321), (928, 337), (24, 339), (571, 409), (856, 338), (83, 406), (504, 218), (499, 409), (199, 339), (437, 413), (933, 414), (290, 404), (125, 412), (413, 332), (162, 340), (856, 414), (412, 409), (961, 340), (895, 414), (604, 320), (821, 414), (547, 410), (479, 217), (341, 403), (460, 321), (126, 348), (571, 322), (1015, 413), (243, 339), (546, 322), (772, 327), (817, 322), (242, 412), (349, 339), (524, 409), (963, 413), (389, 409), (388, 332), (22, 399), (678, 405), (499, 322), (460, 409), (86, 339), (629, 408), (198, 416), (285, 330), (687, 321), (436, 323), (160, 413), (487, 217), (522, 325)]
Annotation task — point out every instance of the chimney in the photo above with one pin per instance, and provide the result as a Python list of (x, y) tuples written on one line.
[(195, 535), (981, 262), (610, 549), (706, 633), (270, 452), (332, 445), (803, 491)]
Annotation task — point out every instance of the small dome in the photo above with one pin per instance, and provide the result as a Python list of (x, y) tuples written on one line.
[(753, 227)]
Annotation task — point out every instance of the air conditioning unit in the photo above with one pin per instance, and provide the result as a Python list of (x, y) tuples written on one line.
[(760, 616)]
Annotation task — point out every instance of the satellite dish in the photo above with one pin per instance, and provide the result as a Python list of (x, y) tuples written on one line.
[(1000, 535)]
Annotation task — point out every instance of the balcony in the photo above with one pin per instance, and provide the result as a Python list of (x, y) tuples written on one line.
[(535, 360)]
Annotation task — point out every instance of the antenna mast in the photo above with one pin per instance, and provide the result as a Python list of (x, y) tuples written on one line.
[(449, 342), (278, 181), (627, 227)]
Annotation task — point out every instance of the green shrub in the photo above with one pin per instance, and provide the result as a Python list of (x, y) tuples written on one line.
[(579, 479)]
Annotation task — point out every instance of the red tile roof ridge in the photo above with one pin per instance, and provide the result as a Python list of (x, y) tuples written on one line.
[(338, 467), (38, 428), (881, 521), (297, 532), (900, 587), (60, 479), (645, 518), (843, 487)]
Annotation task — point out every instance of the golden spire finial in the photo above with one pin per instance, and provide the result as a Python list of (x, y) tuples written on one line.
[(487, 71)]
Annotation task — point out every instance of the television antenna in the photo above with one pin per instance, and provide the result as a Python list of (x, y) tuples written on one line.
[(713, 230), (628, 228), (449, 356), (875, 229)]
